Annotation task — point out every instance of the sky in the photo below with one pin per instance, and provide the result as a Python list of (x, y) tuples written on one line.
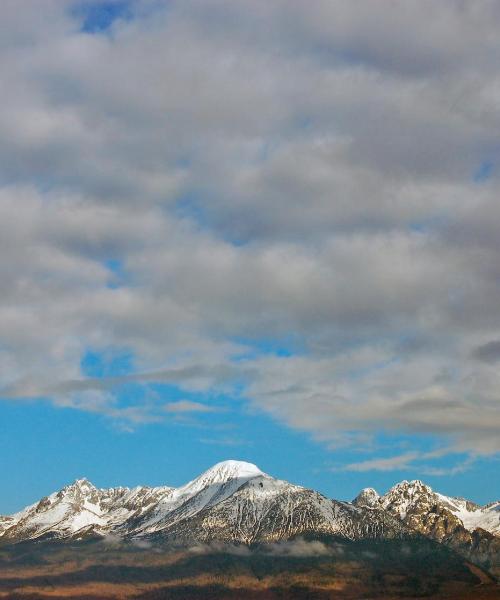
[(264, 231)]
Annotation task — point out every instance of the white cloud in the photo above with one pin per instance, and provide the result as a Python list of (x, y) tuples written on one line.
[(259, 171), (393, 463), (411, 461)]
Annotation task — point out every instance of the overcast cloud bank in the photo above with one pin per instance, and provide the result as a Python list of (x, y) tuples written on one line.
[(203, 176)]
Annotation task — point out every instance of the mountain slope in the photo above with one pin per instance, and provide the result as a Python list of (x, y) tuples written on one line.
[(212, 487), (232, 501), (78, 509), (265, 509), (460, 524), (236, 502)]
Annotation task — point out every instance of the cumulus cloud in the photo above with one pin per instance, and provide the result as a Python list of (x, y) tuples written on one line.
[(265, 170)]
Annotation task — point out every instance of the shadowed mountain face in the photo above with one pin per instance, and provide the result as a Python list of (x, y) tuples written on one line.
[(472, 530), (376, 543)]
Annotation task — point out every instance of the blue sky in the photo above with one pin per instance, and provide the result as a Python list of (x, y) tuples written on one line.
[(98, 17), (225, 234), (61, 445)]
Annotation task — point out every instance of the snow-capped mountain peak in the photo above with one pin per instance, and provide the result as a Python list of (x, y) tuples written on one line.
[(367, 497), (225, 476), (211, 487), (234, 501), (411, 488), (414, 501), (225, 471), (79, 487), (231, 501), (405, 495), (83, 483)]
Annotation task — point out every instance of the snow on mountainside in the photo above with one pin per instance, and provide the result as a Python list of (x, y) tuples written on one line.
[(235, 501), (5, 523), (264, 509), (472, 530), (77, 509), (231, 501), (474, 516), (367, 498), (406, 497), (211, 487)]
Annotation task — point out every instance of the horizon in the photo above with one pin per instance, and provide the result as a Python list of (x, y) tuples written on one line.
[(380, 492), (253, 229)]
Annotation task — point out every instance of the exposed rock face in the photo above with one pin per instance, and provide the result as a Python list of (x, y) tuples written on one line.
[(78, 510), (466, 527), (232, 501), (367, 498), (268, 510), (236, 502)]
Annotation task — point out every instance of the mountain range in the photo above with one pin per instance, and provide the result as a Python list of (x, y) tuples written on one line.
[(235, 502)]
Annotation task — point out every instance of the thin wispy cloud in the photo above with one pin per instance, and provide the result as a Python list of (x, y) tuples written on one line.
[(393, 463), (411, 461), (187, 407)]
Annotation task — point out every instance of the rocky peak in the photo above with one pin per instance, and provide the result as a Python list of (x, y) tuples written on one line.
[(79, 491), (367, 498), (416, 486), (79, 485), (235, 501), (407, 495)]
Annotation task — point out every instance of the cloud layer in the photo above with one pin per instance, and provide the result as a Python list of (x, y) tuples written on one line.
[(204, 183)]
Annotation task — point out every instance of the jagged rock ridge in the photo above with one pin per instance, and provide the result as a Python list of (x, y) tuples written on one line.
[(468, 528), (236, 502), (232, 501)]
